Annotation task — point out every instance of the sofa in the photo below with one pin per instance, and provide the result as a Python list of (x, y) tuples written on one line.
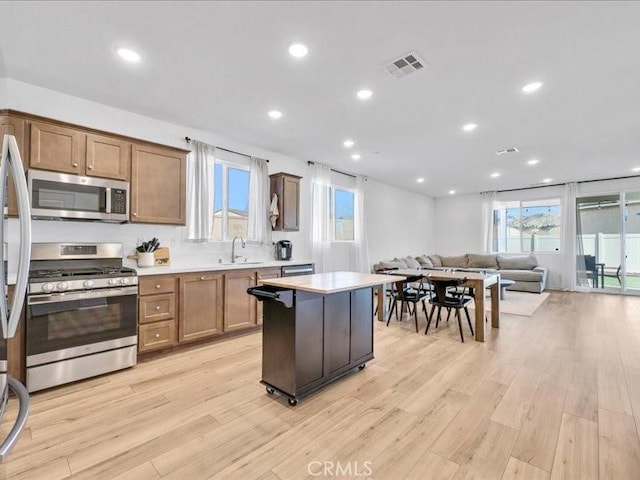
[(522, 269)]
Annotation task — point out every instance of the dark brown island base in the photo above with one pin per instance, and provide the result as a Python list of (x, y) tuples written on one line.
[(316, 328)]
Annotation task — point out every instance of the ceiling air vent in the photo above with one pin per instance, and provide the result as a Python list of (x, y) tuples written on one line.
[(503, 151), (405, 65)]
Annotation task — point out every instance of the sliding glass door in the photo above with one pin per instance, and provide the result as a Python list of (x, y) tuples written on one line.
[(608, 242)]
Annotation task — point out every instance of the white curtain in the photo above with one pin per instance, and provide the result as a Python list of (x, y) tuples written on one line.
[(200, 173), (361, 244), (488, 199), (568, 273), (320, 202), (259, 202)]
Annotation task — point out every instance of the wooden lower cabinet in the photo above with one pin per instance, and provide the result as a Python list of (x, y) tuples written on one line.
[(154, 336), (239, 307), (16, 126), (201, 311)]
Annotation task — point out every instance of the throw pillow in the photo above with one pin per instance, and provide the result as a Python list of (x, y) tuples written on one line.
[(424, 261), (435, 260), (454, 262), (402, 261), (411, 262), (385, 265), (482, 261), (522, 262)]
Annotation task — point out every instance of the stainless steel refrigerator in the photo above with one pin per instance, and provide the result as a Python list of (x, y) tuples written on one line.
[(10, 313)]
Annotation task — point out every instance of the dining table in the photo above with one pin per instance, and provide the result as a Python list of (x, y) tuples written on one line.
[(478, 280)]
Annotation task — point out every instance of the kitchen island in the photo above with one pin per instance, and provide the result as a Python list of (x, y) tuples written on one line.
[(316, 329)]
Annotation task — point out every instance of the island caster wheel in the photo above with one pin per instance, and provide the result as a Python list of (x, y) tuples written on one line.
[(361, 366), (270, 390), (293, 402)]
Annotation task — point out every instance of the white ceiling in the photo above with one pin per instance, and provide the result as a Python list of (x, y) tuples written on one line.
[(221, 66)]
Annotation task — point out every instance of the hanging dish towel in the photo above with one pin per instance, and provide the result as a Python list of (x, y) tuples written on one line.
[(274, 213)]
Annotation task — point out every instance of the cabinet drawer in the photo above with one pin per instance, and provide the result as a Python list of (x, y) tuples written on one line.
[(153, 308), (156, 335), (151, 285)]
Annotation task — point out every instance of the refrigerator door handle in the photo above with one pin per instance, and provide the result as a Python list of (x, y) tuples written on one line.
[(21, 419), (4, 170), (24, 212)]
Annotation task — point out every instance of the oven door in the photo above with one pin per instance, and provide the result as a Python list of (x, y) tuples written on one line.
[(67, 325)]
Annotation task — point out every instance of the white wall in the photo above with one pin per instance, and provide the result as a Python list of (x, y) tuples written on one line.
[(389, 233), (458, 220)]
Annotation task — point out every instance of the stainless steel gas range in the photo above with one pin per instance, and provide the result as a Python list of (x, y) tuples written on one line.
[(81, 313)]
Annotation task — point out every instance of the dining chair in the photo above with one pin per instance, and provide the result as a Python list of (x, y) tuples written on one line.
[(406, 293), (452, 294)]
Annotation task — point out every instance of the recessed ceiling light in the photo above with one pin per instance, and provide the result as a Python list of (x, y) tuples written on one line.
[(356, 156), (546, 180), (531, 87), (533, 161), (128, 55), (420, 180), (495, 174), (452, 192), (348, 143), (635, 169), (298, 50), (275, 114), (469, 127), (364, 94)]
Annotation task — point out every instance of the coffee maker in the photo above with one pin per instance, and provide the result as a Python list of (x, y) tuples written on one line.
[(284, 249)]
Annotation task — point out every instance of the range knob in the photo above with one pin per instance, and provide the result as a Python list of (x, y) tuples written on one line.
[(124, 281), (88, 283), (112, 281), (62, 286), (48, 287)]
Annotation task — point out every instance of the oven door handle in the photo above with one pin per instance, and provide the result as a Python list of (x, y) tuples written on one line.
[(68, 297)]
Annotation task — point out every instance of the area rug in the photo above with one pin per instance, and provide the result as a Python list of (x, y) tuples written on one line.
[(520, 303)]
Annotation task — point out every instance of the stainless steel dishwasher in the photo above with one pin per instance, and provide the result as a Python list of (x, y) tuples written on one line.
[(293, 270)]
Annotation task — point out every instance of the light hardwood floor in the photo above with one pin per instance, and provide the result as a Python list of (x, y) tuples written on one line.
[(553, 396)]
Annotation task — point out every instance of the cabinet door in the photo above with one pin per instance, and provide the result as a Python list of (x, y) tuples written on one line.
[(17, 127), (239, 306), (290, 210), (158, 191), (264, 274), (337, 326), (154, 336), (108, 157), (200, 306), (57, 148), (361, 323)]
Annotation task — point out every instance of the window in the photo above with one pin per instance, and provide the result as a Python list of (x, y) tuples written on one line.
[(531, 226), (342, 215), (231, 201)]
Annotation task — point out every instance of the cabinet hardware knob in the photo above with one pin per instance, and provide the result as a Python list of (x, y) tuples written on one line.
[(135, 214), (201, 278), (90, 167), (75, 164), (157, 335), (158, 286), (157, 307)]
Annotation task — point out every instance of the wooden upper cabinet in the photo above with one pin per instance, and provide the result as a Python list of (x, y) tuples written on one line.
[(108, 157), (57, 148), (158, 185), (239, 306), (200, 306), (17, 127), (287, 188)]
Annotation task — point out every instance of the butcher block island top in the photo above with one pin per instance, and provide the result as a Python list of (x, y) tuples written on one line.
[(331, 282)]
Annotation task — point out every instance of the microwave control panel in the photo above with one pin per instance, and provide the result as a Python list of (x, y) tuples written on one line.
[(118, 200)]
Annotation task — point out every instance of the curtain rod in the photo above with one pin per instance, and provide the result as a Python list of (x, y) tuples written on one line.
[(188, 140), (561, 184), (337, 171)]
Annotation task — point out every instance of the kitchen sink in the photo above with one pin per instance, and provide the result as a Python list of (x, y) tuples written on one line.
[(239, 263)]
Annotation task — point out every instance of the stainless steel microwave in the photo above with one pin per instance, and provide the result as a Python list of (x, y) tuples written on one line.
[(74, 197)]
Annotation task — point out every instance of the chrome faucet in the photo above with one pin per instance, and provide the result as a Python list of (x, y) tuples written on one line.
[(233, 248)]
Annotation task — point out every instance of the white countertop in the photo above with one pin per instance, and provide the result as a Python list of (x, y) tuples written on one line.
[(212, 267)]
